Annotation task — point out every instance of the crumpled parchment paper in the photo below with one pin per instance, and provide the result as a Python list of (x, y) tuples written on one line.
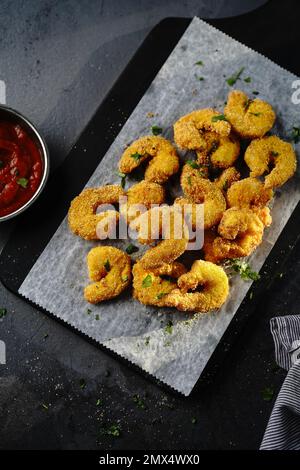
[(177, 355)]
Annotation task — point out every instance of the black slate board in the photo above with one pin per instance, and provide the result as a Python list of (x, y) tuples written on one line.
[(37, 225)]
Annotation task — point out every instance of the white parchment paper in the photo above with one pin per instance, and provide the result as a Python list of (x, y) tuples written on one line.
[(138, 332)]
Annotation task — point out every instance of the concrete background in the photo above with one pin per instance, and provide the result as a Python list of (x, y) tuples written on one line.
[(58, 60)]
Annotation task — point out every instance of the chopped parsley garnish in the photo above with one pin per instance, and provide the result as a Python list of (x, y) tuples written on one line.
[(107, 266), (199, 78), (245, 271), (156, 130), (123, 179), (131, 249), (193, 164), (3, 312), (97, 317), (89, 311), (296, 134), (247, 79), (161, 295), (169, 327), (136, 156), (124, 278), (147, 281), (138, 401), (199, 62), (23, 182), (219, 117), (99, 402), (82, 383), (232, 80), (147, 340), (274, 154), (194, 420), (256, 114), (46, 407), (113, 430), (255, 92), (267, 393)]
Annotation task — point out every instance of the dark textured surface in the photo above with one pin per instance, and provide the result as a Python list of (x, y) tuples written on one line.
[(65, 58)]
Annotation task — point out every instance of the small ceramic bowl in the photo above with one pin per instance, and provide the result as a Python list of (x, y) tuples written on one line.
[(10, 115)]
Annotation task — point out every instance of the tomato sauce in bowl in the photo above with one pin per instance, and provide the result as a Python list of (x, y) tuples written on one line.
[(22, 164)]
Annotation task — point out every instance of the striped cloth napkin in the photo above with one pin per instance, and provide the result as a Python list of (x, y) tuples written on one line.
[(283, 429)]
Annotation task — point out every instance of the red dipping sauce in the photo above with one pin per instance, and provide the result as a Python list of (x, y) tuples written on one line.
[(21, 167)]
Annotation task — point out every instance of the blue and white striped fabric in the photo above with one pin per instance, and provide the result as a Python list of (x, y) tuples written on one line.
[(283, 430)]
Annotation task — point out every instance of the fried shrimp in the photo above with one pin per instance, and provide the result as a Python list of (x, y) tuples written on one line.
[(271, 151), (220, 152), (200, 190), (140, 197), (162, 156), (151, 286), (249, 192), (240, 232), (82, 216), (249, 118), (214, 285), (227, 178), (189, 130), (110, 273), (169, 224)]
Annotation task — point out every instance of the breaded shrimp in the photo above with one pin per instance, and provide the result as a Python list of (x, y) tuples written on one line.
[(267, 151), (214, 289), (162, 156), (240, 232), (220, 152), (110, 271), (151, 286), (82, 216), (227, 178), (249, 192), (249, 118), (140, 197), (200, 190), (189, 130), (168, 223)]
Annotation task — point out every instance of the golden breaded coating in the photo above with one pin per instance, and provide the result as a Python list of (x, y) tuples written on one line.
[(249, 118), (140, 197), (240, 232), (162, 156), (110, 270), (82, 216), (220, 152), (189, 130), (227, 178), (214, 289), (262, 153), (200, 190), (151, 286), (249, 192), (171, 227)]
